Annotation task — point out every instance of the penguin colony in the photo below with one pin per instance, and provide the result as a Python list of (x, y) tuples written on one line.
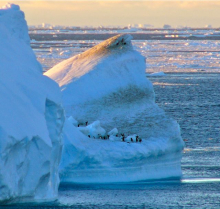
[(106, 137)]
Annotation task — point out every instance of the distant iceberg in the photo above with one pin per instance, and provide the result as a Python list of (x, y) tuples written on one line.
[(157, 74), (108, 83), (31, 120)]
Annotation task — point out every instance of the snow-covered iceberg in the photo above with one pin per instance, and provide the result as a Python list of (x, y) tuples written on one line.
[(108, 83), (31, 119)]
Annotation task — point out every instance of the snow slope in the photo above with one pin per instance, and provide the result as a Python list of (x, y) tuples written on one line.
[(108, 83), (31, 117), (98, 72)]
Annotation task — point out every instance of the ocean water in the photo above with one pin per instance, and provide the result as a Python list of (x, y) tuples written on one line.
[(190, 93), (193, 100)]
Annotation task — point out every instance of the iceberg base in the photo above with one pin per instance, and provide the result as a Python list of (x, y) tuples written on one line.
[(151, 170)]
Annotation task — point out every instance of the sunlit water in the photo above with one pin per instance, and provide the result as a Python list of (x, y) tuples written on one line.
[(167, 56), (190, 94)]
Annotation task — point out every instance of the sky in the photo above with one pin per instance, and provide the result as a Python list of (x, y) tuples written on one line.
[(121, 13)]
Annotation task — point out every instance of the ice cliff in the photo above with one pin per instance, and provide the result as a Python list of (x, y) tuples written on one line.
[(31, 119), (108, 83)]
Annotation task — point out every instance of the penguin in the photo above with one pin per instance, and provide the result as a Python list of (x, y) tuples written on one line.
[(136, 138), (86, 123), (89, 136), (132, 140)]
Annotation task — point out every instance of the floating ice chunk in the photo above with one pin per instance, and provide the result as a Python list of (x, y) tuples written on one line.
[(167, 26), (65, 52), (158, 74)]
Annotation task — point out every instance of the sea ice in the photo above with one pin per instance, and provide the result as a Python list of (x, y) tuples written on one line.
[(108, 83), (157, 74), (31, 117)]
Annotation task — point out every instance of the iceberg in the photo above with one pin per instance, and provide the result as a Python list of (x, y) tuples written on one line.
[(157, 74), (32, 118), (107, 83)]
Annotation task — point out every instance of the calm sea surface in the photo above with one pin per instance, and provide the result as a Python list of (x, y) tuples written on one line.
[(190, 93)]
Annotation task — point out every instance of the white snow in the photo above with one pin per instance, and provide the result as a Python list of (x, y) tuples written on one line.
[(93, 130), (108, 83), (31, 117), (113, 132), (89, 160), (131, 138), (86, 70), (15, 22)]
